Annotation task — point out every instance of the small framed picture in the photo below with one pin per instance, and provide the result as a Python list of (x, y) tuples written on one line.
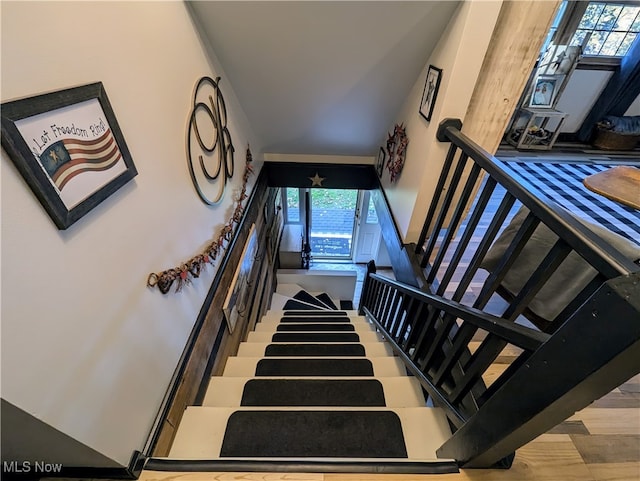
[(69, 148), (380, 162), (431, 86), (544, 92)]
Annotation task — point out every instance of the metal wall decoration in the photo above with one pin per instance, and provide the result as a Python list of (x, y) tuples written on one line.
[(396, 150), (69, 148), (190, 269), (215, 150)]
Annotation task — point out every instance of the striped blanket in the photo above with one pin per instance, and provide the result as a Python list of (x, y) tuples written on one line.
[(562, 182)]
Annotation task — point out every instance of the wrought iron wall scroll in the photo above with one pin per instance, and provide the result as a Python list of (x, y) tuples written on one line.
[(213, 169)]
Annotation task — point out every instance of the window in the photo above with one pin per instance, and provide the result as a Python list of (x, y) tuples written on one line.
[(292, 206), (608, 29)]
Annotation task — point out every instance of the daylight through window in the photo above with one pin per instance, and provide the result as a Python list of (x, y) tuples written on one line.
[(608, 28)]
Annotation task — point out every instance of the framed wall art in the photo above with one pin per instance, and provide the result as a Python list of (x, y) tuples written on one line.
[(545, 90), (380, 162), (236, 305), (431, 86), (69, 148)]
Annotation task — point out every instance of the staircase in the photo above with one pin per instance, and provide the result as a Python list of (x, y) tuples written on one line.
[(313, 388)]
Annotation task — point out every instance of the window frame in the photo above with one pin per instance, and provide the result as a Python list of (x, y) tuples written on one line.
[(568, 26)]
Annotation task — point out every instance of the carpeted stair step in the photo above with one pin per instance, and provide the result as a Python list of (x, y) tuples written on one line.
[(326, 300), (313, 392), (295, 304), (295, 313), (400, 391), (359, 433), (314, 337), (273, 327), (350, 434), (262, 349), (313, 319), (326, 366), (315, 350), (304, 296), (335, 327)]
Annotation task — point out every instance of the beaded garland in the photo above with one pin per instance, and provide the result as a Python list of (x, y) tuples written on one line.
[(191, 269)]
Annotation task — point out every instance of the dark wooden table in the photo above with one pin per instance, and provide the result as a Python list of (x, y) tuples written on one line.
[(621, 184)]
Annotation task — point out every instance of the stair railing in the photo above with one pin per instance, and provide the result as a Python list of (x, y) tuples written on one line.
[(588, 349)]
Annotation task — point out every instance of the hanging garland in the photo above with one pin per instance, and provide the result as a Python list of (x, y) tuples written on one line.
[(191, 269), (397, 150)]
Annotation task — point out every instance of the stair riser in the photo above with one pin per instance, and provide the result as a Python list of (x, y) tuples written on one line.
[(266, 337), (246, 366), (259, 349), (273, 327), (398, 391)]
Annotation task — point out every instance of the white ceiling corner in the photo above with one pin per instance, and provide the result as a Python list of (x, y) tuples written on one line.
[(322, 78)]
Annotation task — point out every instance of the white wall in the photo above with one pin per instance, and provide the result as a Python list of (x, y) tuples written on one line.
[(579, 95), (459, 54), (86, 346), (634, 108), (321, 159)]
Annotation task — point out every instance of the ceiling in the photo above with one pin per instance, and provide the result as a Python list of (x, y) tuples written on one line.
[(323, 78)]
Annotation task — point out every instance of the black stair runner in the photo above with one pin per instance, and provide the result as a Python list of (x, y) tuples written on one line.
[(315, 337), (313, 392), (295, 313), (335, 434), (305, 301), (314, 367), (327, 301), (314, 350), (316, 319), (330, 326)]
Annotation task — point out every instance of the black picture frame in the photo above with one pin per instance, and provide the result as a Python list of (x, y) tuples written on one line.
[(430, 92), (79, 146), (380, 162)]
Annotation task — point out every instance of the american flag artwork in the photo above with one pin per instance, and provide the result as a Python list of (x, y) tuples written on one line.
[(69, 158), (76, 149)]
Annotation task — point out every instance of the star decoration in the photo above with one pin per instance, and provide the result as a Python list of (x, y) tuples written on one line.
[(316, 180)]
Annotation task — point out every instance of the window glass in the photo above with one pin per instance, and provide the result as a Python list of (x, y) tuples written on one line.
[(591, 15), (626, 18), (372, 216), (293, 205), (612, 43), (612, 28)]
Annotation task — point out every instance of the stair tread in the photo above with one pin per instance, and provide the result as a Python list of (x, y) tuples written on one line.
[(259, 349), (399, 391), (248, 366), (313, 392), (350, 434), (313, 327), (201, 431), (314, 337)]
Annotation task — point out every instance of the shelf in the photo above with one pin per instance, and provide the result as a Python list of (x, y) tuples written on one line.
[(535, 135)]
